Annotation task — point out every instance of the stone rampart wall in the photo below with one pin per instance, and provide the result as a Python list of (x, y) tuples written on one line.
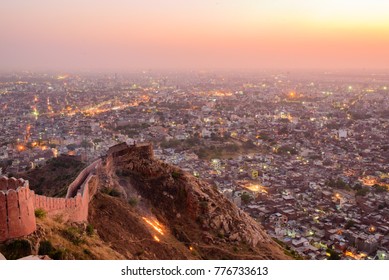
[(17, 217), (18, 203)]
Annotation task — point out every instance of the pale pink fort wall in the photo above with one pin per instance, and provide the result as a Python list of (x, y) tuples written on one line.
[(81, 178), (17, 216), (73, 209), (18, 204)]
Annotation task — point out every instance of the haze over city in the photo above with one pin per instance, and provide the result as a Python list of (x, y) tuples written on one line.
[(248, 34), (151, 130)]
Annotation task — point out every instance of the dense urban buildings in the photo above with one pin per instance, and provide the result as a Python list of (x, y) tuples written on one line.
[(306, 155)]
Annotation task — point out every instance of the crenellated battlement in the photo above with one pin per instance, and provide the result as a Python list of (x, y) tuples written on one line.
[(143, 150), (18, 203), (11, 183), (17, 217)]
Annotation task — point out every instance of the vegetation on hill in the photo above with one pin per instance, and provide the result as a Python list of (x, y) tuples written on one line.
[(144, 209), (60, 241), (176, 216), (54, 177)]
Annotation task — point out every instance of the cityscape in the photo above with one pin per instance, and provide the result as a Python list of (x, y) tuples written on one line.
[(303, 153), (195, 130)]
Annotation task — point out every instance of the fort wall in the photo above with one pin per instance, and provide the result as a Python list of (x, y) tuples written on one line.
[(18, 203), (143, 150), (17, 217), (72, 189)]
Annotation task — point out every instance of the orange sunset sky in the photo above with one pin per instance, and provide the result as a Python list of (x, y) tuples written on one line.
[(131, 34)]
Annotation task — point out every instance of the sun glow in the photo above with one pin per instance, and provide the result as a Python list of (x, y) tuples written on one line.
[(298, 33)]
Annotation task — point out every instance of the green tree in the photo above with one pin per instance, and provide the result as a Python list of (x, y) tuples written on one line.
[(379, 189), (246, 198), (362, 192), (333, 255), (349, 224)]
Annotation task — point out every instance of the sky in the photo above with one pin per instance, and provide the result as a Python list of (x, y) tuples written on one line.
[(120, 35)]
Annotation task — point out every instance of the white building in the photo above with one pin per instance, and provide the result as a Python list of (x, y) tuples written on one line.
[(342, 133)]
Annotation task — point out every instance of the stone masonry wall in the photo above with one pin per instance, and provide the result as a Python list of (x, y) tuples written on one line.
[(18, 203), (72, 189), (17, 217)]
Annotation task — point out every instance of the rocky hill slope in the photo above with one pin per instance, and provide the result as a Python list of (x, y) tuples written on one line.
[(171, 214), (147, 209)]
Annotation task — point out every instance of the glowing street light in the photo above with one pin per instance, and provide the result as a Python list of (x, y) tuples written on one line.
[(20, 148)]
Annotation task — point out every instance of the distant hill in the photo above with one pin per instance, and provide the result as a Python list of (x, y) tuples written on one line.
[(53, 178)]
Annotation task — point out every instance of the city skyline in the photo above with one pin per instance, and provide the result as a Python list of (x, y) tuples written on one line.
[(305, 155), (125, 35)]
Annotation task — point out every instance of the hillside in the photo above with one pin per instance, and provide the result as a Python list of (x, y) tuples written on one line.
[(187, 217), (53, 178), (147, 209), (60, 241)]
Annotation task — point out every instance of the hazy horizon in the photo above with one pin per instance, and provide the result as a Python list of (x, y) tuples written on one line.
[(121, 36)]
